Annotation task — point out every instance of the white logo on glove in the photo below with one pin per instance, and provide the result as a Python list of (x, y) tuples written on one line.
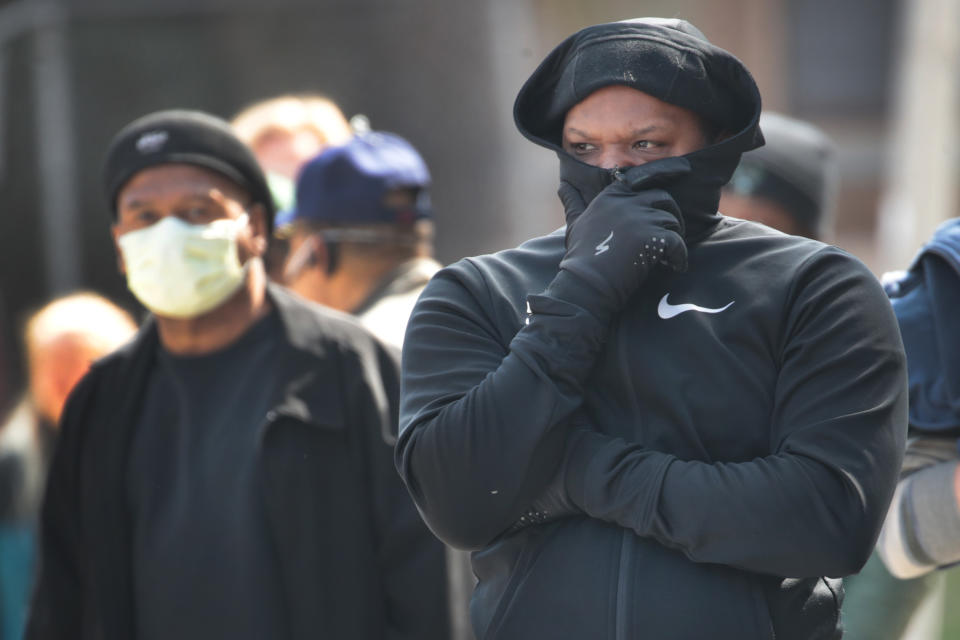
[(605, 245)]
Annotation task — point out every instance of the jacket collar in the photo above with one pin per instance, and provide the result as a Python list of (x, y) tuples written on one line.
[(300, 327), (304, 340)]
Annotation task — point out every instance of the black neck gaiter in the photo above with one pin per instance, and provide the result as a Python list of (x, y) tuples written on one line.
[(696, 193)]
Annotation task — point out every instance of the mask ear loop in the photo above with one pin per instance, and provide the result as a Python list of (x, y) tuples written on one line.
[(304, 256)]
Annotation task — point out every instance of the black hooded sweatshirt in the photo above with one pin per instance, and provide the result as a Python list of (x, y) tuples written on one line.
[(730, 437)]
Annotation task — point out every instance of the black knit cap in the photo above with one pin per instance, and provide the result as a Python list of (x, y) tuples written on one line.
[(184, 137), (797, 169)]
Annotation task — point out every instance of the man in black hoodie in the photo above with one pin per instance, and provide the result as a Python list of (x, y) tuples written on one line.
[(660, 422)]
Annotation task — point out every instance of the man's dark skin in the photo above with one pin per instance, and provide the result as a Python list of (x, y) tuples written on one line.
[(619, 126)]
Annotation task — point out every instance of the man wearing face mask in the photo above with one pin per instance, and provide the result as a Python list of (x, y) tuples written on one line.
[(658, 422), (227, 474)]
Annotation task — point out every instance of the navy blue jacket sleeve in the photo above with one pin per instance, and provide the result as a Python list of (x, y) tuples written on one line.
[(484, 416), (813, 506)]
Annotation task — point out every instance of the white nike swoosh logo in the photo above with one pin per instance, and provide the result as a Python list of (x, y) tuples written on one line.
[(603, 246), (666, 310)]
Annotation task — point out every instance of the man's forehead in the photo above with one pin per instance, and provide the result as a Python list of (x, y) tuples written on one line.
[(178, 180)]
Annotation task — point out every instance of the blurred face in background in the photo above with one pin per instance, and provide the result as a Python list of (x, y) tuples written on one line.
[(762, 210), (284, 133), (62, 340), (55, 367), (284, 152)]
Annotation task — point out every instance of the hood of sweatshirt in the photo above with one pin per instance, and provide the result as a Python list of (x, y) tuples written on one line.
[(670, 60)]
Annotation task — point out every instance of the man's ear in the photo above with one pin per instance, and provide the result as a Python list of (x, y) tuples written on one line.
[(115, 233), (259, 232)]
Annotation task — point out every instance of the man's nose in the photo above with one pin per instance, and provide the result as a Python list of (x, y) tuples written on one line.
[(615, 158)]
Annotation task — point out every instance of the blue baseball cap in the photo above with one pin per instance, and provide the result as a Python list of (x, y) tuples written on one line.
[(346, 184)]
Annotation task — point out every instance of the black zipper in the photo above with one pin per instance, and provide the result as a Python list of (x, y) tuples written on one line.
[(624, 598)]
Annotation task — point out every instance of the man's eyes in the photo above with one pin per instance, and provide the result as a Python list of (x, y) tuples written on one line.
[(198, 214), (145, 216), (586, 148), (193, 215)]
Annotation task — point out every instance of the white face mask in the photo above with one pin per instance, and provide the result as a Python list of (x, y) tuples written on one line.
[(182, 270)]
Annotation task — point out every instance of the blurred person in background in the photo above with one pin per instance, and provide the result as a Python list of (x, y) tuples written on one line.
[(361, 238), (658, 422), (228, 474), (60, 341), (922, 530), (790, 183), (361, 232), (284, 132), (5, 363)]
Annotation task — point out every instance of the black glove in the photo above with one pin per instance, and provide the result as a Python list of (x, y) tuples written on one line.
[(554, 503), (626, 231)]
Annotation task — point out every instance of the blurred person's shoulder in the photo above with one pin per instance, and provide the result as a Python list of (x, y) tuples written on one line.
[(318, 329), (142, 342), (731, 228), (759, 239)]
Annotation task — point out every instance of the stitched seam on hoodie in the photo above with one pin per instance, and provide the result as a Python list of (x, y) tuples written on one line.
[(623, 586), (659, 40), (576, 72), (679, 48)]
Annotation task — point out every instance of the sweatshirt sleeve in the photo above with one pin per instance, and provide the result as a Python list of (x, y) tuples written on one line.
[(484, 412), (922, 529), (815, 504)]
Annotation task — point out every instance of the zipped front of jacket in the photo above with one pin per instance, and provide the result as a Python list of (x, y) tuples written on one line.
[(624, 592)]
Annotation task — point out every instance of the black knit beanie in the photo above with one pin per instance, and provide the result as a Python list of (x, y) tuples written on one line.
[(184, 137), (797, 169)]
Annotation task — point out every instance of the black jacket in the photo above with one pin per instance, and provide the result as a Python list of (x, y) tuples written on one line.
[(720, 460), (355, 558)]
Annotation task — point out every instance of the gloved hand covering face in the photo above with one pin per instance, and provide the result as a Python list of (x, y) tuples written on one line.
[(626, 231)]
